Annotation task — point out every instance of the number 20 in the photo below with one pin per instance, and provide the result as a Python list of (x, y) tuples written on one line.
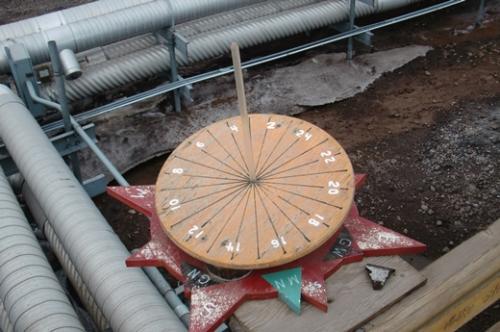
[(333, 187)]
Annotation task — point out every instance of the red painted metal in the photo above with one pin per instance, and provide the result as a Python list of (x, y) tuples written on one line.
[(213, 303)]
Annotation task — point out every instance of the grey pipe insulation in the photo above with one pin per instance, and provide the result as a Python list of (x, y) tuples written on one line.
[(63, 17), (30, 292), (117, 25), (63, 258), (5, 324), (126, 296), (145, 63)]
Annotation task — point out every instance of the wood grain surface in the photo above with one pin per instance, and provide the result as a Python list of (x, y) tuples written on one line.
[(353, 301), (211, 209)]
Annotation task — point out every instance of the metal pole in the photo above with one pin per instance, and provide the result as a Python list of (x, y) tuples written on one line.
[(350, 41), (63, 102), (173, 67), (480, 13), (79, 130)]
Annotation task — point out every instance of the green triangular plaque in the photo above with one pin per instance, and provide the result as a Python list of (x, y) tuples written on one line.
[(288, 283)]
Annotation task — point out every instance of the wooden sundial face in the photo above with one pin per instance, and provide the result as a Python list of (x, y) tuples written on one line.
[(211, 209)]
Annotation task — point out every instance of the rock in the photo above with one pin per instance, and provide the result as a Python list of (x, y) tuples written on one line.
[(439, 223)]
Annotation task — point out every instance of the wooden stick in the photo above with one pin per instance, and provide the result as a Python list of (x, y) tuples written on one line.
[(242, 101)]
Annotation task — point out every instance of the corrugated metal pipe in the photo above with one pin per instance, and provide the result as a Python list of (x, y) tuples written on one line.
[(66, 263), (127, 298), (146, 63), (63, 17), (5, 324), (29, 290), (195, 27), (114, 26)]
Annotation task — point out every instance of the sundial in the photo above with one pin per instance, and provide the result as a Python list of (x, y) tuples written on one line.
[(211, 207), (253, 207)]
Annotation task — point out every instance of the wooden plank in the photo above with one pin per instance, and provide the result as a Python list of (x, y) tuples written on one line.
[(467, 307), (353, 301), (459, 284), (242, 102)]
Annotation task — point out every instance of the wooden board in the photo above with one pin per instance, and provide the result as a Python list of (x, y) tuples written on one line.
[(460, 285), (214, 211), (354, 301)]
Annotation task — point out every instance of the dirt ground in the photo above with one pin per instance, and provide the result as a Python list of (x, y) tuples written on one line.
[(427, 134)]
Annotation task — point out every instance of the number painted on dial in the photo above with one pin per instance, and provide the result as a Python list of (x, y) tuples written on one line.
[(201, 145), (314, 221), (303, 133), (232, 248), (333, 187), (271, 125), (178, 171), (276, 243), (195, 231), (327, 157), (174, 204), (234, 127)]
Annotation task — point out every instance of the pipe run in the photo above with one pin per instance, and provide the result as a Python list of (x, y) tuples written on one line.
[(5, 324), (66, 263), (114, 26), (143, 64), (63, 17), (127, 298), (30, 292)]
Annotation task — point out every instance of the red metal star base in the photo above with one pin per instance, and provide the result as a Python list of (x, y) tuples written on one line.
[(212, 303)]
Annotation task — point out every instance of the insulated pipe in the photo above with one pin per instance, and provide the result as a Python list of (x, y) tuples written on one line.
[(29, 290), (66, 263), (167, 292), (62, 17), (146, 63), (70, 65), (127, 298), (5, 324), (114, 26)]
